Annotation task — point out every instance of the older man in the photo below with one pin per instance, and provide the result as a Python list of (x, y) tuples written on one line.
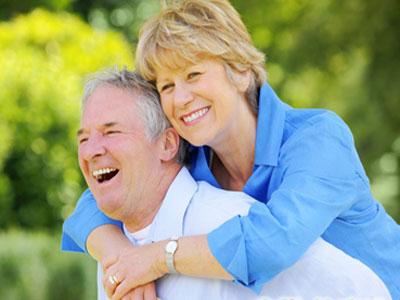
[(128, 155)]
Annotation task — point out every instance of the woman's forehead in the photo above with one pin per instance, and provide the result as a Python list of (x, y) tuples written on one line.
[(174, 60)]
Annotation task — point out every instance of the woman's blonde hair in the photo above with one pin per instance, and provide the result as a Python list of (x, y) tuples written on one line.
[(186, 30)]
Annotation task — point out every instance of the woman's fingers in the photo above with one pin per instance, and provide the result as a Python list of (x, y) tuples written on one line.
[(133, 267), (111, 281), (150, 291), (109, 261), (144, 292)]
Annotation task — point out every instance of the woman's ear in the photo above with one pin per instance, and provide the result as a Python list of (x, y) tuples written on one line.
[(169, 144), (242, 80)]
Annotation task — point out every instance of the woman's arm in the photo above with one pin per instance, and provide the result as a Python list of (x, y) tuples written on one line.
[(107, 240), (138, 265), (197, 247), (86, 218), (318, 181), (89, 230), (317, 178)]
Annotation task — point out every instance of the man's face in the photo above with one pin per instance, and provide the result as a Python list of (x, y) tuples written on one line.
[(117, 160)]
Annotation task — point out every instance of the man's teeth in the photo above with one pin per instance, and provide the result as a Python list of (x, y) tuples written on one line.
[(195, 115), (101, 172)]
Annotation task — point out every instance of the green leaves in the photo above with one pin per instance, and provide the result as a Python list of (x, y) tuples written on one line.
[(44, 57)]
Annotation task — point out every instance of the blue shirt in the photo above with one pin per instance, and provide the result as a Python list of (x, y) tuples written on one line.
[(195, 207), (308, 174)]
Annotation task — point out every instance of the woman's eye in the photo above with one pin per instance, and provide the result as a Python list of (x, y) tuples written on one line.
[(193, 75), (166, 87)]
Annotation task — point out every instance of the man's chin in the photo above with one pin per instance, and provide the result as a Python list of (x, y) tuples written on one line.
[(108, 206)]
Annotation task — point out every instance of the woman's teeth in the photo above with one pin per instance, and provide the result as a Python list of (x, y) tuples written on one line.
[(196, 115)]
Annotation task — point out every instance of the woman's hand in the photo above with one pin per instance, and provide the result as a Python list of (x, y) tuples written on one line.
[(144, 292), (133, 267)]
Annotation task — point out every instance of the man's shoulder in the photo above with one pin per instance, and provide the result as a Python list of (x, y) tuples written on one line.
[(210, 207), (222, 199)]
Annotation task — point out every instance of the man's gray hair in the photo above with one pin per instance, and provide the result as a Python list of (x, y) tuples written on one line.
[(146, 98)]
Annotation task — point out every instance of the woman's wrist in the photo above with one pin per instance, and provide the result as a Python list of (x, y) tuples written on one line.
[(161, 264), (193, 257)]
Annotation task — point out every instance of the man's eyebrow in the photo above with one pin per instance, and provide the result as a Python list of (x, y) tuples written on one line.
[(80, 131), (105, 125), (110, 124)]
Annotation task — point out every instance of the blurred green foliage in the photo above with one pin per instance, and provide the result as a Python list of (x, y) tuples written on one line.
[(340, 55), (43, 58), (344, 56), (31, 267)]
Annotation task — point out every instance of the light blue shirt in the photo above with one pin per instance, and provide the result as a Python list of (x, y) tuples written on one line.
[(192, 208), (308, 174)]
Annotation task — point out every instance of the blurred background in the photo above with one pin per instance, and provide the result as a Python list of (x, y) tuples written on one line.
[(340, 55)]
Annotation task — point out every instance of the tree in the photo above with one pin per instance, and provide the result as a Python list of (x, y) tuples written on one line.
[(344, 56), (44, 57)]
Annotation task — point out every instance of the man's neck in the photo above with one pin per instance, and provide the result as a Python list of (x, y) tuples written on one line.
[(154, 199)]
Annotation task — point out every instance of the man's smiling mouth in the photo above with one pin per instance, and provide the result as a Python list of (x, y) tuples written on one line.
[(105, 174)]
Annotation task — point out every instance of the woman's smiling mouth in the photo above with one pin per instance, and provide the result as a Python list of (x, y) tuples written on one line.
[(196, 115)]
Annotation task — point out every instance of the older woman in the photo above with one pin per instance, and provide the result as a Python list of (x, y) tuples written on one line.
[(300, 164)]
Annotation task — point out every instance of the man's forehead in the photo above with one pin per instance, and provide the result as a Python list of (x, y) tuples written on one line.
[(108, 102), (109, 106), (110, 95)]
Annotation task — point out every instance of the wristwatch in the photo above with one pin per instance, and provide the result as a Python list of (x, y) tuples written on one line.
[(170, 249)]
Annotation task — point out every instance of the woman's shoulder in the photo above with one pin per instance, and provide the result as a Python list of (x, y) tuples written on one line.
[(308, 122), (301, 118)]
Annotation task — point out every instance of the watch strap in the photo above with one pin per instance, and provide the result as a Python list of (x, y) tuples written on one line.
[(169, 256)]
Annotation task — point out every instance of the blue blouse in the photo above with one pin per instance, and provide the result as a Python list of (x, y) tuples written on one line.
[(308, 180)]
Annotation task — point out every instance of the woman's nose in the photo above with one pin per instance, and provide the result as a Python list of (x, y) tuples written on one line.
[(182, 95)]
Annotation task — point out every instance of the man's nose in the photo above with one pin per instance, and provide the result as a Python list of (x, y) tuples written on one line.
[(93, 148)]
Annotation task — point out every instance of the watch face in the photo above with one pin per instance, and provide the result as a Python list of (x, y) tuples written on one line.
[(171, 246)]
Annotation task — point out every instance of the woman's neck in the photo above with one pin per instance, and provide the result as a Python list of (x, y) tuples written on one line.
[(233, 160)]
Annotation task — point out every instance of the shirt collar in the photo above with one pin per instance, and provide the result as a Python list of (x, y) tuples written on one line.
[(169, 219), (270, 125)]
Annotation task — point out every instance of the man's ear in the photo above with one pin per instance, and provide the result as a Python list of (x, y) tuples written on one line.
[(169, 144)]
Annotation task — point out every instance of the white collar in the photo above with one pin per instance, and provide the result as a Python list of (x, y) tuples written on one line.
[(169, 219)]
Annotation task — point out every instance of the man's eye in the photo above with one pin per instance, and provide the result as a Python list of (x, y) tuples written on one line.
[(82, 140), (112, 132)]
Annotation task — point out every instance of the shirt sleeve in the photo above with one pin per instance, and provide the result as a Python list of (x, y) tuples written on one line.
[(86, 217), (318, 183)]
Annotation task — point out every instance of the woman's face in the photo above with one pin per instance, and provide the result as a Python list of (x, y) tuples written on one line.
[(201, 102)]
